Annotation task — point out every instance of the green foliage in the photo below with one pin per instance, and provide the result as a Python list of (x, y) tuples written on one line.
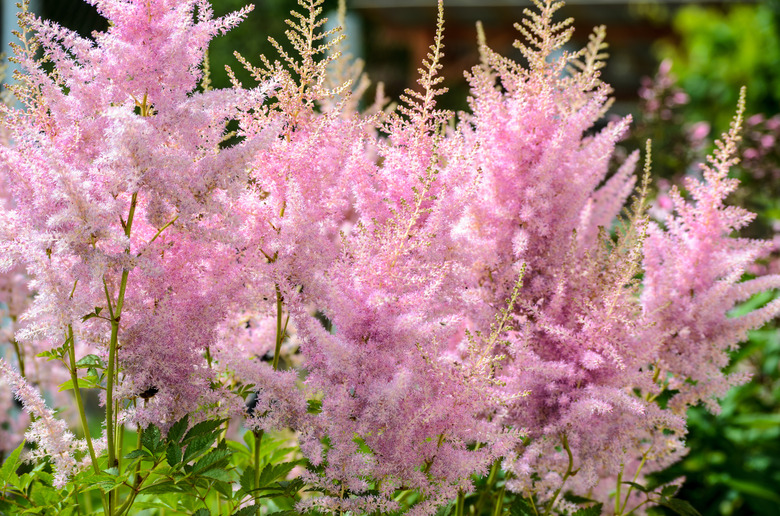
[(734, 464), (720, 52), (186, 471), (251, 37)]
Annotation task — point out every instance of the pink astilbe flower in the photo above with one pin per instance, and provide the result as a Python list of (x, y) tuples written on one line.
[(117, 171), (698, 264), (51, 435), (457, 295), (397, 408), (586, 341)]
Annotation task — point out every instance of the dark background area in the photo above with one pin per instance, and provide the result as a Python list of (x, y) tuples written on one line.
[(396, 35)]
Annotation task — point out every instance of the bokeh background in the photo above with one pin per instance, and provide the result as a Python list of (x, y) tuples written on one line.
[(677, 68)]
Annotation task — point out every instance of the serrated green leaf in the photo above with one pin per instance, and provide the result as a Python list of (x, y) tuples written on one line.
[(594, 510), (197, 446), (211, 459), (224, 488), (668, 491), (44, 495), (136, 454), (217, 474), (151, 438), (202, 512), (111, 471), (577, 499), (173, 454), (274, 472), (247, 479), (640, 487), (521, 508), (177, 430), (680, 507), (249, 510), (67, 511), (93, 361), (203, 428), (85, 382), (162, 488), (11, 464)]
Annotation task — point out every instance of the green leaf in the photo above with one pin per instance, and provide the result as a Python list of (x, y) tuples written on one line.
[(637, 486), (54, 354), (577, 499), (753, 489), (668, 491), (145, 504), (198, 445), (167, 486), (177, 430), (8, 470), (173, 454), (203, 428), (274, 472), (213, 458), (594, 510), (44, 495), (202, 512), (247, 479), (757, 420), (313, 406), (224, 488), (521, 508), (151, 438), (249, 510), (85, 382), (135, 454), (91, 361), (217, 474), (105, 481), (680, 507)]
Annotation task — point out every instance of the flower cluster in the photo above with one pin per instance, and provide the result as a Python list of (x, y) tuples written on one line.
[(418, 295)]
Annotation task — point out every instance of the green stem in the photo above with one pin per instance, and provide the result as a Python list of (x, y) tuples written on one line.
[(159, 232), (136, 489), (630, 487), (491, 480), (533, 504), (74, 377), (258, 439), (569, 473), (460, 504), (120, 444), (19, 356), (279, 331), (112, 349), (140, 434), (499, 503)]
